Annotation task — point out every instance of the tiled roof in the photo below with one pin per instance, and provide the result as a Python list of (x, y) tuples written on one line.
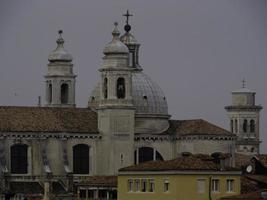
[(256, 195), (44, 119), (262, 158), (242, 160), (184, 163), (26, 188), (104, 181), (248, 185), (196, 127)]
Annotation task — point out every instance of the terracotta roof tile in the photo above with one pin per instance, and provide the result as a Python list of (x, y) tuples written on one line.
[(196, 126), (255, 195), (194, 162), (108, 181), (44, 119)]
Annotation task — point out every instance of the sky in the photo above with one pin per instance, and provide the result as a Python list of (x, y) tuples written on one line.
[(198, 51)]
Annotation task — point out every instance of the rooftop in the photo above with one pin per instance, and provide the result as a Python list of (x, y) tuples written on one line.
[(198, 162)]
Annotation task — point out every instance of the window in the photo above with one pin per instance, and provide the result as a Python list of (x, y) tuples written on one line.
[(130, 185), (19, 159), (49, 98), (236, 126), (143, 185), (232, 125), (230, 185), (201, 185), (215, 185), (131, 59), (252, 126), (166, 186), (64, 93), (245, 125), (146, 154), (82, 193), (151, 185), (81, 159), (137, 185), (120, 88), (105, 88)]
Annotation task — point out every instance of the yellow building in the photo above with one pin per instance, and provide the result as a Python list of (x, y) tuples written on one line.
[(191, 177)]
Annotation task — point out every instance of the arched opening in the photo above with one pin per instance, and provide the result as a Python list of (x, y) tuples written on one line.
[(64, 93), (232, 125), (49, 93), (19, 159), (236, 126), (252, 126), (245, 125), (145, 154), (81, 159), (105, 88), (120, 88)]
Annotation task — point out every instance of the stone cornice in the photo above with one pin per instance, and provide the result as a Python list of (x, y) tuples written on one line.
[(45, 135)]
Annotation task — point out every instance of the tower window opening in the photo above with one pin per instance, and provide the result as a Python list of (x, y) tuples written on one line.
[(64, 93), (120, 88), (105, 88), (252, 126), (236, 126), (245, 125), (131, 59), (232, 125), (145, 97), (50, 93)]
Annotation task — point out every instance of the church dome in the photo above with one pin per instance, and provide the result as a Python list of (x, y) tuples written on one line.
[(116, 46), (60, 54), (148, 98)]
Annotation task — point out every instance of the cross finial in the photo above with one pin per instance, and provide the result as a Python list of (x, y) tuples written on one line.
[(127, 15), (243, 83)]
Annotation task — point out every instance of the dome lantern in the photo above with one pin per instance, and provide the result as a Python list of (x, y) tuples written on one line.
[(60, 54)]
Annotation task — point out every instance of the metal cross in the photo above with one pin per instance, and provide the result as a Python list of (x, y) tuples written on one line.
[(127, 15)]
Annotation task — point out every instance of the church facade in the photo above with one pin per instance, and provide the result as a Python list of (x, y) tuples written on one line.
[(126, 122)]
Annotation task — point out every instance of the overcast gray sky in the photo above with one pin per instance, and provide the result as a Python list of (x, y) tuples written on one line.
[(198, 51)]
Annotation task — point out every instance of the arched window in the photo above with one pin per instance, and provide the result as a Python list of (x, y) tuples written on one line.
[(146, 154), (120, 88), (232, 125), (81, 159), (64, 93), (245, 125), (236, 126), (19, 159), (252, 126), (50, 93), (105, 88)]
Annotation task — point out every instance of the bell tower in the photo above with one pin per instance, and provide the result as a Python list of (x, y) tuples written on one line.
[(244, 117), (60, 79), (116, 110)]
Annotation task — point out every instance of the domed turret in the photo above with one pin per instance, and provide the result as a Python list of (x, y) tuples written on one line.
[(60, 54), (115, 46)]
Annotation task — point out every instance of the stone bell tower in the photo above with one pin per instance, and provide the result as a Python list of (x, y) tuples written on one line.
[(244, 116), (116, 110), (60, 79)]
